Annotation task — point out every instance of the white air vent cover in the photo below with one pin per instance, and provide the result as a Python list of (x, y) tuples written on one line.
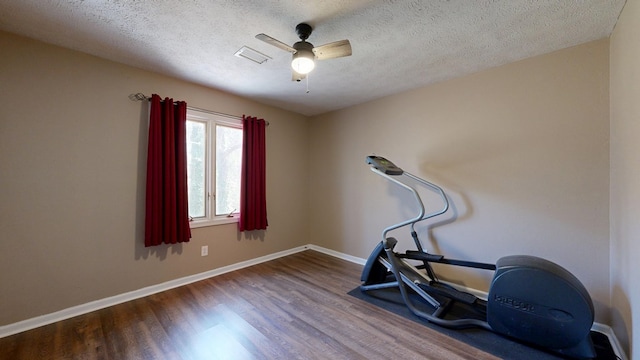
[(251, 54)]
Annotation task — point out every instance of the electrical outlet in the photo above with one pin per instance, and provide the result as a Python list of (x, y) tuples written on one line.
[(204, 251)]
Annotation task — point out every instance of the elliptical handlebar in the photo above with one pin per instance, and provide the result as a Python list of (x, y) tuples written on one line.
[(391, 172)]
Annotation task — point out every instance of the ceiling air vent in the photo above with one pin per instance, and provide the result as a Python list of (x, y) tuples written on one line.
[(251, 54)]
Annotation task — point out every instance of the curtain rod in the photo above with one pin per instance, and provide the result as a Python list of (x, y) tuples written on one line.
[(143, 97)]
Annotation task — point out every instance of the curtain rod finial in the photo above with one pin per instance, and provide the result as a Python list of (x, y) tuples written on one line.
[(138, 97)]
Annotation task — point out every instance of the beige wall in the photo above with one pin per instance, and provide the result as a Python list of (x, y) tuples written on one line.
[(625, 177), (72, 165), (522, 150)]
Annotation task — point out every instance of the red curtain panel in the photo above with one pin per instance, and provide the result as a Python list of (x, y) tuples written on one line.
[(253, 195), (166, 207)]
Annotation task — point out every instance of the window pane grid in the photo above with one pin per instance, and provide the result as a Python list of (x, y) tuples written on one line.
[(197, 168), (214, 160), (228, 168)]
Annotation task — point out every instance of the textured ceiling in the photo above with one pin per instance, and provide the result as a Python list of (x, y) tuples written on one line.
[(397, 44)]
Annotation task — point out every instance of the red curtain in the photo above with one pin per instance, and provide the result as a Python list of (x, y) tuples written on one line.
[(253, 195), (167, 214)]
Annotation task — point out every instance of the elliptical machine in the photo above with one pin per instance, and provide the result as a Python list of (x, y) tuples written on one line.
[(530, 299)]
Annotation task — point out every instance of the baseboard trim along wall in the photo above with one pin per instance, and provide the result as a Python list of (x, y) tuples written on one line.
[(64, 314)]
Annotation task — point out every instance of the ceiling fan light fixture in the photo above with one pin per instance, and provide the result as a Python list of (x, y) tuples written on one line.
[(305, 54), (303, 62)]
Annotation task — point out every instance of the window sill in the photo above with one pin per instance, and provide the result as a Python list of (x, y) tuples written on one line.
[(213, 222)]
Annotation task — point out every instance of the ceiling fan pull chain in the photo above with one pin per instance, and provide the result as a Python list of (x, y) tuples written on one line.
[(308, 82)]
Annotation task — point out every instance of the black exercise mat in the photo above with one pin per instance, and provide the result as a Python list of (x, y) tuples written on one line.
[(391, 300)]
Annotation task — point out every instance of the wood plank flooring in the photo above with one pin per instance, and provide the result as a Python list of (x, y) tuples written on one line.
[(294, 307)]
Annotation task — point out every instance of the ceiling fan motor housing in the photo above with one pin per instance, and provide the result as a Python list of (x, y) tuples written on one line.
[(303, 46), (303, 30)]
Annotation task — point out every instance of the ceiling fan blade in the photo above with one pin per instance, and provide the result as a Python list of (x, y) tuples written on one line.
[(277, 43), (333, 50)]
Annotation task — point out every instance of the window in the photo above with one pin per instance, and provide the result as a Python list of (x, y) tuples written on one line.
[(214, 159)]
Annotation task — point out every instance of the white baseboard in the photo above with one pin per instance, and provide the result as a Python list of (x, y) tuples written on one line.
[(339, 255), (607, 330), (64, 314)]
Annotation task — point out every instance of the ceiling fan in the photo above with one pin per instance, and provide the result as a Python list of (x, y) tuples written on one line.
[(305, 54)]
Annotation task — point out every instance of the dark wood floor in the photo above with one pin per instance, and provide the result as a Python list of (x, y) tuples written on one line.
[(294, 307)]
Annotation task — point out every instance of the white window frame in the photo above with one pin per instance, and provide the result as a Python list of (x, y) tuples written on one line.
[(211, 120)]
